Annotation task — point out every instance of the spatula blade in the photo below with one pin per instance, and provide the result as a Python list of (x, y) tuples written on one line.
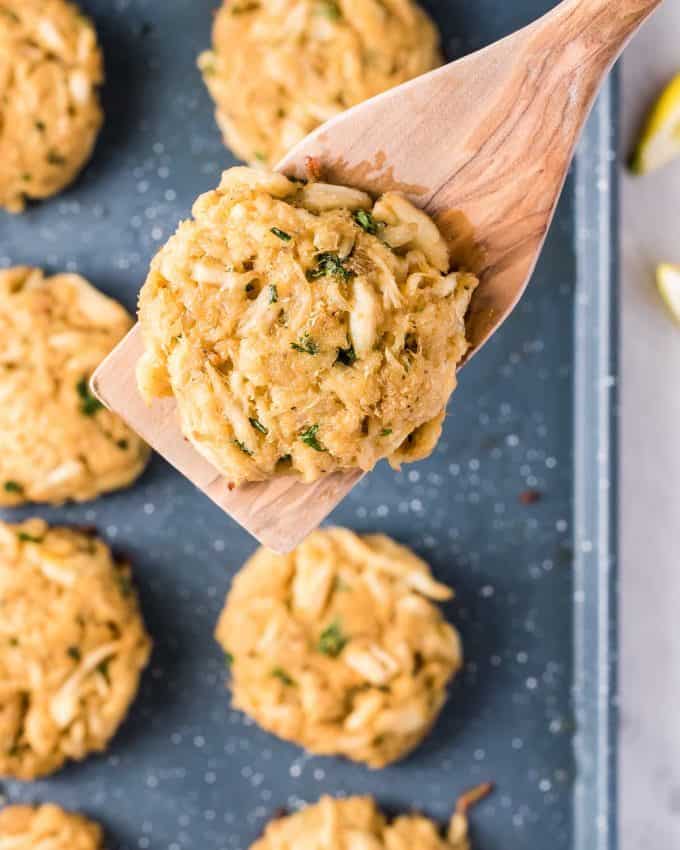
[(279, 513)]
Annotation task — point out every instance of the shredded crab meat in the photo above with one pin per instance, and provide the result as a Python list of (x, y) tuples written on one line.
[(64, 704), (279, 69), (57, 443), (50, 113), (335, 652), (356, 823), (47, 827), (71, 651), (282, 303)]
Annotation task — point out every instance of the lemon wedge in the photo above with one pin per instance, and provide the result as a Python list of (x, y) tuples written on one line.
[(668, 282), (660, 140)]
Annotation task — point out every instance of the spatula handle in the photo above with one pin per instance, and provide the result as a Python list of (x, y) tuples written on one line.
[(608, 24)]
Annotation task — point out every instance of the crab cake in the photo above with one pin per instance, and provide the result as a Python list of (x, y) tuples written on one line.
[(280, 69), (47, 826), (338, 647), (50, 69), (72, 647), (356, 822), (303, 328), (56, 441)]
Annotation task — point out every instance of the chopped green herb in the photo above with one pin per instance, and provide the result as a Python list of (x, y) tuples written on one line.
[(385, 432), (306, 345), (29, 538), (40, 126), (26, 177), (346, 356), (365, 221), (103, 670), (74, 653), (228, 658), (89, 405), (273, 293), (332, 641), (258, 426), (260, 157), (329, 264), (244, 448), (13, 487), (329, 9), (123, 444), (281, 674), (308, 437), (411, 343), (55, 158), (285, 237)]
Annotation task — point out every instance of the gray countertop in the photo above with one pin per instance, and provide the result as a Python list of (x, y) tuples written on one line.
[(650, 470)]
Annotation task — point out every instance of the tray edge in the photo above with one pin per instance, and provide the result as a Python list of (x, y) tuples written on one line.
[(595, 491)]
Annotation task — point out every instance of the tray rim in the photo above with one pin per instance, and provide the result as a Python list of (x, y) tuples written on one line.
[(595, 478)]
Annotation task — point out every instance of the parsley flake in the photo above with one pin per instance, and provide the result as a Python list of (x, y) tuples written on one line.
[(273, 293), (258, 426), (385, 432), (244, 448), (308, 437), (329, 264), (280, 673), (365, 221), (13, 487), (283, 236), (89, 405), (329, 9), (346, 356), (306, 345), (332, 641), (29, 538)]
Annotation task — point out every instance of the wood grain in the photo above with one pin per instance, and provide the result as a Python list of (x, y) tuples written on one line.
[(484, 145), (279, 513), (491, 137)]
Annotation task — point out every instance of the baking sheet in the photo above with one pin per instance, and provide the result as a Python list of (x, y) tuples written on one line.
[(532, 711)]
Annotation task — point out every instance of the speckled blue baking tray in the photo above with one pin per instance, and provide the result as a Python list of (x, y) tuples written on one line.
[(533, 711)]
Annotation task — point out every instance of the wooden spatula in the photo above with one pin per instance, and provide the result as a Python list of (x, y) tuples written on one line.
[(482, 144)]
